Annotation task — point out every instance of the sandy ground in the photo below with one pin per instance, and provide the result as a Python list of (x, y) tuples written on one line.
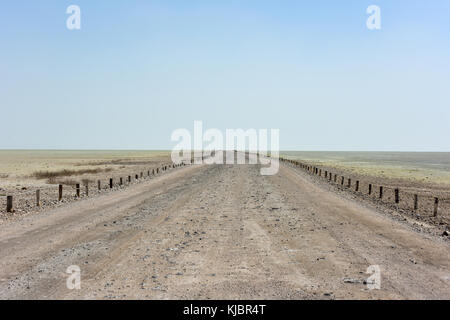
[(216, 232), (17, 169), (18, 166), (430, 170)]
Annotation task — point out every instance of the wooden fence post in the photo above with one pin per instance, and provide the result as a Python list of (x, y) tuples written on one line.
[(129, 178), (60, 190), (349, 183), (110, 183), (342, 181), (38, 198), (120, 181), (77, 187), (396, 196), (137, 177), (416, 200), (9, 203), (335, 178), (153, 171), (370, 188), (435, 209), (99, 185), (87, 189), (381, 192), (357, 185)]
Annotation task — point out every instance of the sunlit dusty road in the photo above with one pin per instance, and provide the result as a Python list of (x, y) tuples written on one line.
[(220, 232)]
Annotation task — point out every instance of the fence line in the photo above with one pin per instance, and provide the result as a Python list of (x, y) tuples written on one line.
[(398, 199), (60, 195)]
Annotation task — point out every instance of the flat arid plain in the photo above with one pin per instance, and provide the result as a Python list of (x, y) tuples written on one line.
[(199, 231)]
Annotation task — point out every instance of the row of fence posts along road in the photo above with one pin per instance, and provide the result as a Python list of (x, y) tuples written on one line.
[(347, 182), (112, 184)]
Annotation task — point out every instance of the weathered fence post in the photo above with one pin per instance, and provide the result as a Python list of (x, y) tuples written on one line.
[(38, 198), (60, 190), (87, 189), (370, 188), (349, 183), (137, 177), (357, 185), (153, 171), (396, 196), (342, 180), (110, 183), (9, 203), (77, 187), (99, 185), (120, 181), (416, 200), (129, 178), (381, 192), (148, 173), (435, 209), (335, 178)]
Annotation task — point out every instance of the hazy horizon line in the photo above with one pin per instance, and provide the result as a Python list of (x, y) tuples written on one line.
[(168, 150)]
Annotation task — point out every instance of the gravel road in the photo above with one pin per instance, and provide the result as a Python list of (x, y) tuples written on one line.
[(220, 232)]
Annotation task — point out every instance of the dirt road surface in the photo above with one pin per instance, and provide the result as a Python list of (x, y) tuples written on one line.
[(220, 232)]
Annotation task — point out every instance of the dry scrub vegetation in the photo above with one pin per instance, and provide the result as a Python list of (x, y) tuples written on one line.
[(54, 177), (66, 173)]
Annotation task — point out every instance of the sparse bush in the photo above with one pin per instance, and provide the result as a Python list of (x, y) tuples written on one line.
[(68, 182), (51, 175)]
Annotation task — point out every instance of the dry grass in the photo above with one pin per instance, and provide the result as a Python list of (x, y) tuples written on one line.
[(67, 182), (52, 175)]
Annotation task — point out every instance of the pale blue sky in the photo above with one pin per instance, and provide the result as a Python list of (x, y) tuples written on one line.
[(137, 70)]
